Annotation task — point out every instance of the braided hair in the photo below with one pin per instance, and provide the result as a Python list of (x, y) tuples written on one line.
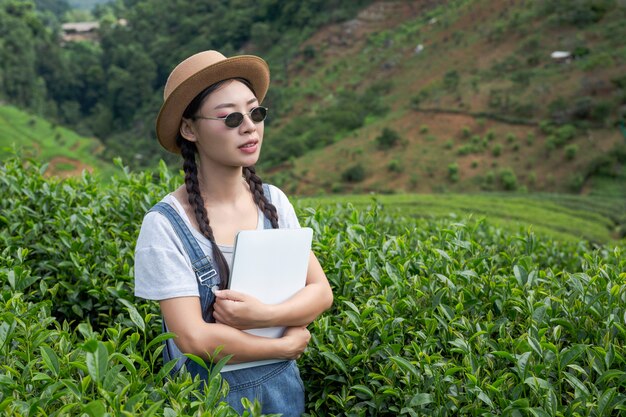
[(188, 151)]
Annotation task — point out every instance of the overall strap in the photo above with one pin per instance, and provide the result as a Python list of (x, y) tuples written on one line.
[(206, 275), (200, 263)]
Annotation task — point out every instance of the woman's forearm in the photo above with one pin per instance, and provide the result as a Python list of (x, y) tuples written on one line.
[(194, 335), (302, 308), (243, 346)]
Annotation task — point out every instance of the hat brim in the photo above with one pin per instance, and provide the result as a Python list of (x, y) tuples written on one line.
[(248, 67)]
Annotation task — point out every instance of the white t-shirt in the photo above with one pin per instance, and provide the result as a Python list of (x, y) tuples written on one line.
[(163, 268)]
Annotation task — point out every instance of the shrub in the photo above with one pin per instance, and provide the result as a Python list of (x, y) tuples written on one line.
[(451, 80), (387, 139), (395, 166), (337, 188), (545, 126), (593, 61), (488, 181), (417, 100), (601, 111), (356, 173), (420, 305), (466, 149), (571, 151), (551, 143), (423, 129), (309, 52), (575, 182), (453, 172), (508, 179), (565, 133), (496, 150)]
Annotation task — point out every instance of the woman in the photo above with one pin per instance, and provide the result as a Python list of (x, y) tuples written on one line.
[(212, 115)]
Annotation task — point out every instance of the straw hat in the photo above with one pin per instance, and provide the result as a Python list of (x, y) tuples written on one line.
[(196, 73)]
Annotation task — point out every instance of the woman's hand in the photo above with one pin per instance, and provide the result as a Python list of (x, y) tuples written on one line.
[(296, 340), (240, 310)]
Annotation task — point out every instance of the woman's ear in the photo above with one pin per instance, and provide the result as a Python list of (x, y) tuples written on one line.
[(187, 130)]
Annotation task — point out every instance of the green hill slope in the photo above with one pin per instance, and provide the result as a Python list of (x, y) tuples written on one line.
[(462, 96), (66, 152), (562, 217)]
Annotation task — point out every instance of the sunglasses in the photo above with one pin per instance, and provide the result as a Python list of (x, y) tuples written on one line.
[(235, 119)]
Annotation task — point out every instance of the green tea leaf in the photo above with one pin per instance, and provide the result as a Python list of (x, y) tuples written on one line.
[(538, 412), (485, 398), (420, 399), (535, 382), (135, 317), (605, 401), (576, 383), (336, 360), (153, 409), (404, 364), (51, 359), (363, 390), (95, 408), (569, 355), (97, 362), (198, 360)]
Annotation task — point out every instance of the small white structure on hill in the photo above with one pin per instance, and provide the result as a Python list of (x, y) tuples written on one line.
[(561, 56)]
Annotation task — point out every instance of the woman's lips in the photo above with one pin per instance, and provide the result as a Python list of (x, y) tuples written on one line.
[(250, 146)]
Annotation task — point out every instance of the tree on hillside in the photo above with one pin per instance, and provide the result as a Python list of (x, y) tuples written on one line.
[(21, 36)]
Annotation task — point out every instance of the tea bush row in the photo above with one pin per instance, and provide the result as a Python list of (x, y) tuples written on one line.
[(438, 318), (431, 317)]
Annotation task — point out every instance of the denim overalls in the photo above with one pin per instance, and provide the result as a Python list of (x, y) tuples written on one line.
[(277, 386)]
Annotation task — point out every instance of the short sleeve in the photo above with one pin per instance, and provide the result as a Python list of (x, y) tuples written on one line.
[(162, 268), (287, 218)]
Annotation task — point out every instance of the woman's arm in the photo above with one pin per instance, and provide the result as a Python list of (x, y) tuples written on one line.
[(184, 318), (246, 312)]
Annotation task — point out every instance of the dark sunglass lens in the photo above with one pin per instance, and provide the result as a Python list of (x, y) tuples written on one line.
[(258, 114), (233, 119)]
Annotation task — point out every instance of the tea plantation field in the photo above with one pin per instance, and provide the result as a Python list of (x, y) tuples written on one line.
[(451, 315)]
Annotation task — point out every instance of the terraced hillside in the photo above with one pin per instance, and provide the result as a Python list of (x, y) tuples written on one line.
[(420, 96)]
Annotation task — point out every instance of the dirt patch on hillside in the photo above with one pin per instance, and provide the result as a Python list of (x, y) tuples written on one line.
[(64, 167), (339, 39)]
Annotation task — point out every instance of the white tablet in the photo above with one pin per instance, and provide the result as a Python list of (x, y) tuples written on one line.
[(271, 265)]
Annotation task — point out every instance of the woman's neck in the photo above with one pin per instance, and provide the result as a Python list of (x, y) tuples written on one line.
[(221, 184)]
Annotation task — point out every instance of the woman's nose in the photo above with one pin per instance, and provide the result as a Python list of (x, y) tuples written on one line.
[(248, 124)]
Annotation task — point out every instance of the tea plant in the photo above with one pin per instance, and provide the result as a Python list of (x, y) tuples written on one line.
[(458, 319), (432, 316)]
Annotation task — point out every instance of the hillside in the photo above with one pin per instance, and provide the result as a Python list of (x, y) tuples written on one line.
[(66, 152), (367, 96), (469, 99)]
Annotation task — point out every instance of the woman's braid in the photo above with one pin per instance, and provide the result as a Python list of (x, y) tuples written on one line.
[(256, 187), (188, 151)]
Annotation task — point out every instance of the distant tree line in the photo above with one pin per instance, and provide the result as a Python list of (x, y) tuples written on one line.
[(112, 89)]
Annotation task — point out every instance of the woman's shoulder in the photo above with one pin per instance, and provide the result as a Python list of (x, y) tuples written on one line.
[(277, 195), (156, 228), (286, 214)]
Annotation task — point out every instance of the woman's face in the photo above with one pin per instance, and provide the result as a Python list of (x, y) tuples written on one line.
[(218, 143)]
